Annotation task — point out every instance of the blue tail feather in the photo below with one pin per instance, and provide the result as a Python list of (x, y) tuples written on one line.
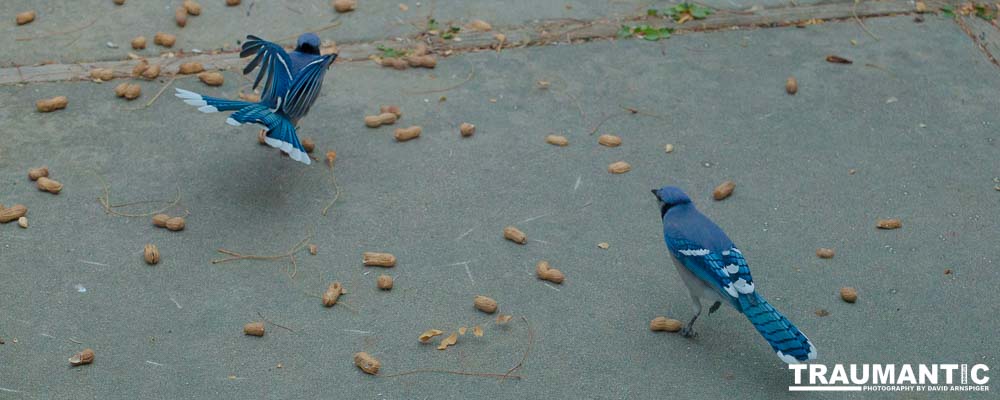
[(208, 104), (791, 345), (280, 131)]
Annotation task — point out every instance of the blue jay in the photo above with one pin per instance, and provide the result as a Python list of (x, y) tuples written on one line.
[(713, 269), (292, 83)]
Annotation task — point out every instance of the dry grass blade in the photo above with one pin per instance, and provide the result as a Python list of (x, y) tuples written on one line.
[(237, 256), (109, 208), (158, 94), (442, 371), (854, 11), (29, 38), (531, 341), (274, 323), (333, 181), (467, 79)]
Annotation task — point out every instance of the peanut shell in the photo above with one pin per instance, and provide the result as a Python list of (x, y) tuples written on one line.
[(384, 282), (824, 252), (175, 224), (467, 129), (151, 254), (515, 235), (367, 363), (892, 223), (82, 358), (160, 220), (12, 213), (343, 6), (190, 68), (404, 134), (448, 341), (25, 17), (332, 293), (139, 42), (849, 294), (609, 140), (35, 173), (619, 167), (725, 189), (664, 324), (428, 334), (49, 105), (485, 304), (164, 39), (373, 259), (211, 78), (557, 140), (48, 185), (104, 74), (791, 85), (254, 329)]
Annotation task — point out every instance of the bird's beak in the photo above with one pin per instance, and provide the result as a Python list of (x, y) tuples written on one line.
[(654, 193)]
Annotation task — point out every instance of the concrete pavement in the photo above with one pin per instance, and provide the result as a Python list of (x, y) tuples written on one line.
[(914, 116)]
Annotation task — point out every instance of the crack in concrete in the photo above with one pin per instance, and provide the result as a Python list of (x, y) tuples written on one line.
[(540, 33)]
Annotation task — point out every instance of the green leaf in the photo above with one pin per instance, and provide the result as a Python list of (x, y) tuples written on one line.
[(948, 11), (432, 25), (696, 11), (700, 12), (454, 29), (389, 52), (652, 12), (624, 32), (985, 12)]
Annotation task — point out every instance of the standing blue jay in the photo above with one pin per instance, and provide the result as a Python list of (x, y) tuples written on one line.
[(713, 269), (292, 83)]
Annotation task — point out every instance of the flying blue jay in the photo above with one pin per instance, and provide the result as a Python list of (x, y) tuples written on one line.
[(713, 269), (292, 83)]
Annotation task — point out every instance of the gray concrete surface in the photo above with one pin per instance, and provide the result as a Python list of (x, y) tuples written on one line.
[(80, 31), (175, 330)]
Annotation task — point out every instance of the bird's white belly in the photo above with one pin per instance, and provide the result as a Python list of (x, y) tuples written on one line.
[(695, 285)]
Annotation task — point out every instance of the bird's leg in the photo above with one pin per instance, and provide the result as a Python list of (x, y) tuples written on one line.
[(714, 307), (688, 330)]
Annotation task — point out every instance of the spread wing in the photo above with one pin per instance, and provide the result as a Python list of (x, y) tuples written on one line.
[(306, 87), (726, 271), (275, 69)]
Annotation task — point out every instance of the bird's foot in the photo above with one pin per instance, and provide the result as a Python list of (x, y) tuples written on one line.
[(715, 307), (688, 332)]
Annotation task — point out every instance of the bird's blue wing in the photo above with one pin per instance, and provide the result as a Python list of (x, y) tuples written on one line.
[(275, 69), (306, 87), (725, 270)]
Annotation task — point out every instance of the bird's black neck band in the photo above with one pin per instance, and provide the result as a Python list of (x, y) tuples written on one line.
[(663, 209)]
